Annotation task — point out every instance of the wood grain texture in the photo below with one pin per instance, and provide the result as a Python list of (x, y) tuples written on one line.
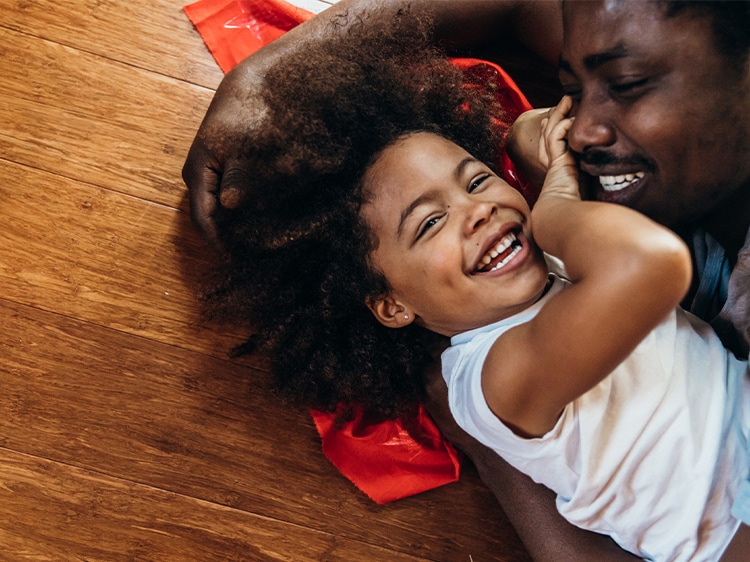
[(117, 260), (152, 35), (95, 120), (54, 512), (184, 422), (125, 431)]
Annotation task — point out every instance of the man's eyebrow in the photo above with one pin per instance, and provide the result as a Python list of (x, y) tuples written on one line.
[(592, 62)]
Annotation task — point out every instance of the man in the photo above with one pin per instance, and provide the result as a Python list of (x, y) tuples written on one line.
[(662, 114)]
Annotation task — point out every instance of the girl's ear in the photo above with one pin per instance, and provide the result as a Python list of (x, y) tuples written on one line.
[(390, 312)]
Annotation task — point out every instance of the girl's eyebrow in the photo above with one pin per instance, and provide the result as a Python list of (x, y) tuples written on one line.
[(431, 195), (406, 213), (458, 172)]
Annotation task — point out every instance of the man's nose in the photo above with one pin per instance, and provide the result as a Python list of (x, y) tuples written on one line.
[(592, 127)]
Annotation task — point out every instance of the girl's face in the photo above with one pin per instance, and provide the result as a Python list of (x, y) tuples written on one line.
[(454, 240)]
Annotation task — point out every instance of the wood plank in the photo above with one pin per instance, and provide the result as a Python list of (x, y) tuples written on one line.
[(50, 511), (156, 415), (95, 120), (166, 43), (118, 261)]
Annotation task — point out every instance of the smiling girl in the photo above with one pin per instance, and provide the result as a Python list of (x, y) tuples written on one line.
[(377, 227)]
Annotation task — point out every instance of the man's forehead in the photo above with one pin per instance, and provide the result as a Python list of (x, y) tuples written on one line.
[(598, 14), (598, 32)]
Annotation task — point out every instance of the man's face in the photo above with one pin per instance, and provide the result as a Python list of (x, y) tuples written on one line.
[(660, 119)]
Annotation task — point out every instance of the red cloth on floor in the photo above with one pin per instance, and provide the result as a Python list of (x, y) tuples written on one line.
[(234, 29), (389, 460)]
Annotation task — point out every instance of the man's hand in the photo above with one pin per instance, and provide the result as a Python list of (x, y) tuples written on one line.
[(215, 167)]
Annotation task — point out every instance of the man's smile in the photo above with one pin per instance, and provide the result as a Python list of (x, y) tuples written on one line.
[(619, 182)]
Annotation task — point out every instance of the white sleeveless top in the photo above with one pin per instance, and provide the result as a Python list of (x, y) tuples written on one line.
[(651, 456)]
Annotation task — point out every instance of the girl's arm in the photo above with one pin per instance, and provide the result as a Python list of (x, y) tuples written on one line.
[(628, 273)]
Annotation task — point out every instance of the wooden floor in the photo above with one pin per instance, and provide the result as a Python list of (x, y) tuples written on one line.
[(125, 432)]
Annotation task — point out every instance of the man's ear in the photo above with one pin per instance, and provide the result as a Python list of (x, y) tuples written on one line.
[(390, 312)]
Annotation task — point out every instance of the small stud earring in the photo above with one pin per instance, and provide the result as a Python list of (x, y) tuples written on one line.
[(406, 316)]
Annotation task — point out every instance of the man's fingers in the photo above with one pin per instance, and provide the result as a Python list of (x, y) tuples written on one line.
[(202, 176), (203, 206), (234, 185)]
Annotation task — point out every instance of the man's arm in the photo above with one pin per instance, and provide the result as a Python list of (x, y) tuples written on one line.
[(214, 163)]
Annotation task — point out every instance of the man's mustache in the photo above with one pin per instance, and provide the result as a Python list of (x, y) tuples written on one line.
[(600, 158)]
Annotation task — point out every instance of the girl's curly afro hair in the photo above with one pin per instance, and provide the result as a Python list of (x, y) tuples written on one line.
[(297, 268)]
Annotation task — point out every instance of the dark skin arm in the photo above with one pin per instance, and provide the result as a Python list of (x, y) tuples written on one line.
[(739, 547), (214, 164)]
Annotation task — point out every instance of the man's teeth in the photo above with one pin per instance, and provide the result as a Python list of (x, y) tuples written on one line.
[(616, 183), (507, 241)]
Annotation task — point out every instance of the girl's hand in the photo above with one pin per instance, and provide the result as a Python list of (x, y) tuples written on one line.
[(562, 172), (554, 132)]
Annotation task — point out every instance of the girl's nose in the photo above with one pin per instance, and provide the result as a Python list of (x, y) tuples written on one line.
[(479, 213)]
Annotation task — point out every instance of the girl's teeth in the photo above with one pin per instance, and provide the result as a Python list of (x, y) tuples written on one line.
[(503, 245), (617, 183), (507, 258)]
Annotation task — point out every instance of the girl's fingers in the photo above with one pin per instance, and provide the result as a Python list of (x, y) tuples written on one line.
[(542, 146), (552, 138), (557, 143), (562, 108), (559, 112)]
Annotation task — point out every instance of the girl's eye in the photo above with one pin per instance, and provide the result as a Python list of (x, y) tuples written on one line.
[(427, 225), (476, 182)]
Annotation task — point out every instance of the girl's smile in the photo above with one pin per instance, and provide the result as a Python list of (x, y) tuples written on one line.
[(505, 254), (453, 239)]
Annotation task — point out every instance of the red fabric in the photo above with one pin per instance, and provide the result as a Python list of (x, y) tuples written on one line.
[(235, 29), (480, 74), (389, 460)]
